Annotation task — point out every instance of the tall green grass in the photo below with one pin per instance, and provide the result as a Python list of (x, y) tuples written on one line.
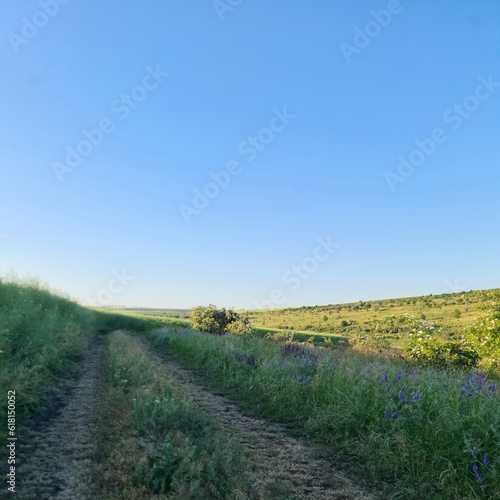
[(41, 334), (427, 433)]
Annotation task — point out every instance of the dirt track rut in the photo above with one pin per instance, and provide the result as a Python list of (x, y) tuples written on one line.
[(56, 454)]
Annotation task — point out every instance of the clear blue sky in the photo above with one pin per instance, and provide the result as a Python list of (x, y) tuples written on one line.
[(355, 103)]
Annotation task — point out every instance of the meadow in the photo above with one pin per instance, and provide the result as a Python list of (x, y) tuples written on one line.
[(371, 319), (372, 322), (413, 429)]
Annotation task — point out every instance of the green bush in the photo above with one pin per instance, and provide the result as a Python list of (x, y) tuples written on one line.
[(485, 334), (219, 321), (424, 347)]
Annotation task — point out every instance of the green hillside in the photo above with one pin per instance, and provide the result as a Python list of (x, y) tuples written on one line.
[(382, 320)]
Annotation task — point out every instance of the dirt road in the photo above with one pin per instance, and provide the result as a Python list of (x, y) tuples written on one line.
[(58, 449)]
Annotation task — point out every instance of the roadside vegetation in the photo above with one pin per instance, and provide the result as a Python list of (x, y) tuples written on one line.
[(443, 330), (41, 335), (424, 431), (175, 448)]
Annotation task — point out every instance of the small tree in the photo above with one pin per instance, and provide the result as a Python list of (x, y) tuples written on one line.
[(219, 321)]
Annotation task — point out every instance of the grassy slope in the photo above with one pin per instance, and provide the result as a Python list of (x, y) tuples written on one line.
[(363, 317), (41, 335)]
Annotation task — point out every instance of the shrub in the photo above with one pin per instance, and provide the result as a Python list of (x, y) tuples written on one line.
[(424, 347), (213, 320), (485, 334), (241, 326)]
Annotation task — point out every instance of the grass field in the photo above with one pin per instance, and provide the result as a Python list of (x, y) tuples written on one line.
[(413, 431), (361, 317), (146, 311)]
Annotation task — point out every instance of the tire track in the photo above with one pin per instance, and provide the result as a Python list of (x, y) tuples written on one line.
[(56, 455)]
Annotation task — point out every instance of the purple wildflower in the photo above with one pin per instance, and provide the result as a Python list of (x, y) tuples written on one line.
[(486, 459), (393, 414), (297, 351), (405, 399), (303, 379), (385, 379), (398, 378), (251, 361), (476, 473), (248, 359), (417, 396), (476, 383)]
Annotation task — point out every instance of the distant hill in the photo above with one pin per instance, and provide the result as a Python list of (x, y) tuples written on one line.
[(147, 311), (451, 311)]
